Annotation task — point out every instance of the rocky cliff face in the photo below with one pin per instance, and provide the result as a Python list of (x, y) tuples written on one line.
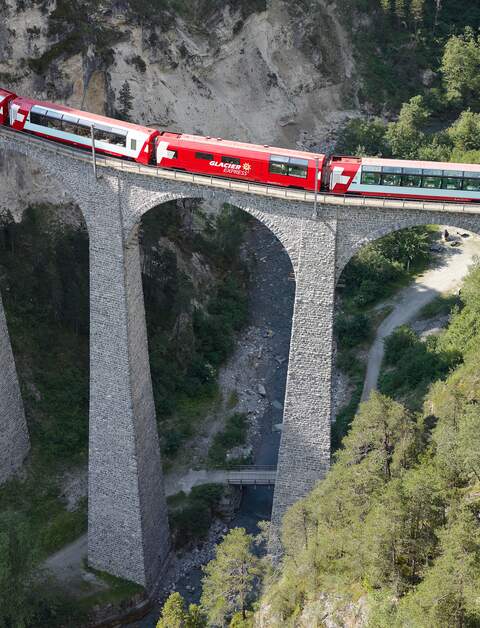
[(256, 70)]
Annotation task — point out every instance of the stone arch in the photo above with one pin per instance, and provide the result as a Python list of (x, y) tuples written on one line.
[(280, 226), (53, 166), (383, 224)]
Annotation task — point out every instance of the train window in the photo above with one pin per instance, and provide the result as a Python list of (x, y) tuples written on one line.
[(472, 185), (230, 160), (298, 167), (54, 123), (391, 179), (133, 144), (37, 118), (452, 183), (102, 136), (371, 178), (69, 126), (206, 156), (82, 130), (431, 182), (278, 164), (412, 180)]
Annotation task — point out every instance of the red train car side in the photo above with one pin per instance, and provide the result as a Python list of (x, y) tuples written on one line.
[(247, 162)]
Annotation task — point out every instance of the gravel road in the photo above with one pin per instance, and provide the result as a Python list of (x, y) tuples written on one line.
[(447, 276)]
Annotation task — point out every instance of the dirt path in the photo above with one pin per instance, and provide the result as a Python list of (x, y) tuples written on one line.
[(445, 277)]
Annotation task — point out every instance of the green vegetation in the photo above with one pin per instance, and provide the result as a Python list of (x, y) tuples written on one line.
[(175, 615), (231, 581), (25, 598), (440, 306), (374, 274), (44, 285), (230, 578), (192, 515), (412, 366), (396, 522), (401, 41), (232, 435), (188, 345)]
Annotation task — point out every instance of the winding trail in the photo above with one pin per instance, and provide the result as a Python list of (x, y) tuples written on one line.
[(447, 276)]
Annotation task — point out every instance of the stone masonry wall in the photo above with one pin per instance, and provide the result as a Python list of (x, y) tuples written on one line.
[(14, 440)]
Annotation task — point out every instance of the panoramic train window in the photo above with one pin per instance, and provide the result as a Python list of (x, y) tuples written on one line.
[(298, 167), (54, 122), (371, 178), (207, 156), (432, 182), (472, 185), (69, 126), (278, 164), (412, 180), (82, 130), (391, 179), (230, 160), (452, 183)]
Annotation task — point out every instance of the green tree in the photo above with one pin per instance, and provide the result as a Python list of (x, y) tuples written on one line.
[(448, 596), (464, 138), (125, 99), (363, 138), (175, 615), (173, 612), (406, 136), (460, 68), (230, 578), (405, 246)]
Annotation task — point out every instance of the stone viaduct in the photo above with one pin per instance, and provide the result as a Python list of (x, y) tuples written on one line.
[(128, 533)]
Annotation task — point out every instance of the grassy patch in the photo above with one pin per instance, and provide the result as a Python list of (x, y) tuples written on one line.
[(440, 306), (37, 497), (233, 435), (410, 366)]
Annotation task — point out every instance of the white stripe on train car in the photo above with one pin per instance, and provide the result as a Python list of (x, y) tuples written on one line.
[(405, 192), (162, 151)]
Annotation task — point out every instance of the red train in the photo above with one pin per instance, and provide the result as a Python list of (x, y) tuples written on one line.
[(217, 157)]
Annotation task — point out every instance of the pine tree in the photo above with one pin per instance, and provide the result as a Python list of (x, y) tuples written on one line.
[(173, 612), (125, 98), (229, 578)]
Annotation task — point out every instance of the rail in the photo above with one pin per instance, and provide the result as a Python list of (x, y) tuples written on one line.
[(242, 186)]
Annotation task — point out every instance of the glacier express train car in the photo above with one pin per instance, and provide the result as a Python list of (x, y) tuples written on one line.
[(69, 126), (249, 162), (404, 179)]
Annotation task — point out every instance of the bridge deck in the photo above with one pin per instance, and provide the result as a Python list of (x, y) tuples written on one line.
[(240, 186), (239, 476)]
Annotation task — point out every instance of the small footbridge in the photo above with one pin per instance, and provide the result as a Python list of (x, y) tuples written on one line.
[(236, 476)]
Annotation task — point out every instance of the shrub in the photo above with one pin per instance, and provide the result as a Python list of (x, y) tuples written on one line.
[(351, 331)]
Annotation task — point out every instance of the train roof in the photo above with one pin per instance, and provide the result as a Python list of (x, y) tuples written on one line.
[(427, 165), (218, 143), (84, 114)]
